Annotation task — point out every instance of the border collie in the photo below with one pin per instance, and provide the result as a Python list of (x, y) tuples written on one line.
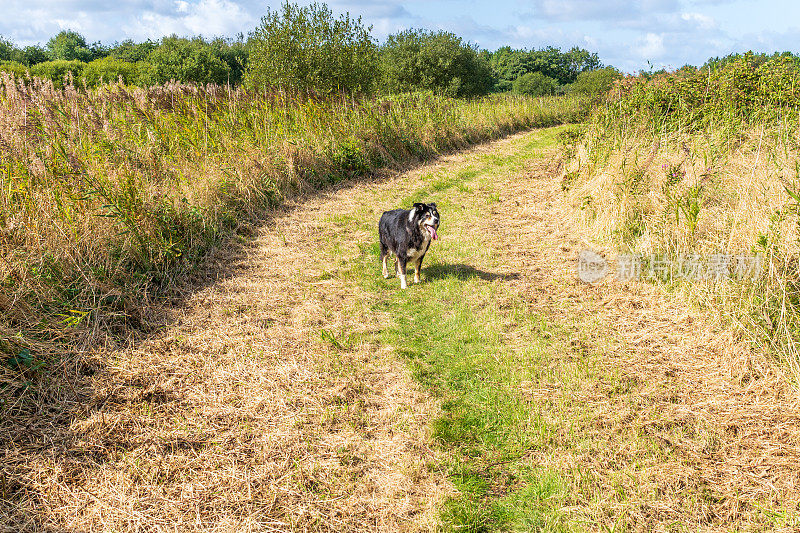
[(407, 233)]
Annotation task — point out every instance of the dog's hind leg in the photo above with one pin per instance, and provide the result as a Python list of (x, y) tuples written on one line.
[(384, 257), (385, 270)]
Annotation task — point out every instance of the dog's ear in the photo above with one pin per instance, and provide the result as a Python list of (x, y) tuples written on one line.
[(432, 204), (419, 206)]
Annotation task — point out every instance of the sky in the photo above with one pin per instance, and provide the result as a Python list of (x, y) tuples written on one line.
[(630, 35)]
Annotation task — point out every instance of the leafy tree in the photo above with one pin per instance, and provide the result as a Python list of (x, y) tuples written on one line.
[(535, 84), (68, 46), (509, 64), (439, 61), (595, 82), (188, 60), (7, 50), (552, 63), (130, 51), (235, 54), (31, 55), (579, 60), (564, 67), (307, 49)]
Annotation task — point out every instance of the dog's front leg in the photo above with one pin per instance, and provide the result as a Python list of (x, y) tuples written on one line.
[(417, 268), (401, 270), (385, 270)]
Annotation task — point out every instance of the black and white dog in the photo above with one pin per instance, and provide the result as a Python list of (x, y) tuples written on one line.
[(407, 233)]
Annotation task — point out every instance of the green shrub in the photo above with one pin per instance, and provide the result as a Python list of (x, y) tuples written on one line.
[(235, 54), (438, 61), (307, 49), (595, 83), (508, 64), (132, 52), (109, 69), (17, 69), (745, 88), (535, 84), (58, 71), (187, 60)]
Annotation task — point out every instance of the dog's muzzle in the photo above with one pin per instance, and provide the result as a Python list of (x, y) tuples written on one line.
[(432, 230)]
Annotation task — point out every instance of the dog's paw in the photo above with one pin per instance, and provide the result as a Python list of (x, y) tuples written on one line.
[(385, 275)]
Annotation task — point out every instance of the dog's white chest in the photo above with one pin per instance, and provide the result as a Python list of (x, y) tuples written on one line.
[(414, 253)]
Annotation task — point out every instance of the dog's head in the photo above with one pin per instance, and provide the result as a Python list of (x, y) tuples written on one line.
[(426, 217)]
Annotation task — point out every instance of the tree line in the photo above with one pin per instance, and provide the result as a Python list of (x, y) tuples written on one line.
[(308, 49)]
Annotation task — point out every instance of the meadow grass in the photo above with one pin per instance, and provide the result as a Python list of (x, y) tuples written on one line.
[(477, 348), (703, 162), (554, 414), (108, 196)]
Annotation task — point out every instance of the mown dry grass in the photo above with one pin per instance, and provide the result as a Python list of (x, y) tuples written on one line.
[(262, 406), (270, 404), (114, 416), (699, 431), (646, 413)]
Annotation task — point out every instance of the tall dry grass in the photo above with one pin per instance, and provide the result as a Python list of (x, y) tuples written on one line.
[(699, 162), (107, 196)]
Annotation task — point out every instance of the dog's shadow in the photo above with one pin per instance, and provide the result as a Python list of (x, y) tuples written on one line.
[(464, 272)]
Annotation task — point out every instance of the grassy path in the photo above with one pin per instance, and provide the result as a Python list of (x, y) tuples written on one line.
[(299, 390), (566, 406)]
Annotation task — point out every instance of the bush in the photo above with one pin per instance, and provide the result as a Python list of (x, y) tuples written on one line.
[(745, 88), (535, 84), (109, 69), (17, 69), (234, 54), (438, 61), (306, 49), (187, 60), (595, 83), (58, 71)]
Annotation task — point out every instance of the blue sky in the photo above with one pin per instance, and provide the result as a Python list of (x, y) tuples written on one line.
[(626, 34)]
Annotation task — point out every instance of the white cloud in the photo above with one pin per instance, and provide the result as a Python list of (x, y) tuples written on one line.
[(701, 21), (210, 18), (34, 21), (573, 10), (651, 47)]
